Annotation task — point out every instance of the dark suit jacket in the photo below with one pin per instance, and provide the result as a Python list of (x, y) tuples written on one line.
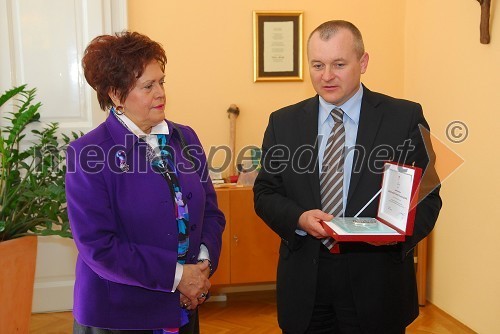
[(124, 227), (383, 278)]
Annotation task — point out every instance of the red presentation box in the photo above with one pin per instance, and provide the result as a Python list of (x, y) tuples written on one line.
[(396, 212)]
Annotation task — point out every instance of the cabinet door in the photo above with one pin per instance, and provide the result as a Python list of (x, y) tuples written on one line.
[(254, 246), (222, 275)]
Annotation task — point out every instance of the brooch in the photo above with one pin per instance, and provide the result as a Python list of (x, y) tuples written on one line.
[(122, 163)]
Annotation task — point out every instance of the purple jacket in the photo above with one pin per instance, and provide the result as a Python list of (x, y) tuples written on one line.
[(123, 224)]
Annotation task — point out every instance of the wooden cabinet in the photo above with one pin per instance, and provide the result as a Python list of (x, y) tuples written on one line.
[(249, 247)]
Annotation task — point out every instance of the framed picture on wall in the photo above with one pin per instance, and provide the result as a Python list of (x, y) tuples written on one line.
[(277, 49)]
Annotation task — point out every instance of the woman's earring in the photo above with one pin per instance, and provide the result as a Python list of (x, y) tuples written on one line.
[(119, 110)]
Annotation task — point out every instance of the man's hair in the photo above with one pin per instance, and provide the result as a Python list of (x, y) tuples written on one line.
[(328, 29)]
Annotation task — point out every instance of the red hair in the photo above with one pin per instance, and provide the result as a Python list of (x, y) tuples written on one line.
[(113, 63)]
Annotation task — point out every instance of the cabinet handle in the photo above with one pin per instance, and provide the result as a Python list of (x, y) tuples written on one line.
[(235, 238)]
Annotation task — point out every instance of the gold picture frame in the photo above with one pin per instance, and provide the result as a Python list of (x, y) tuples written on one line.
[(277, 45)]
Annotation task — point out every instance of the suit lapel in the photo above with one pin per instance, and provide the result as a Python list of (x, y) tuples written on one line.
[(369, 124), (309, 124)]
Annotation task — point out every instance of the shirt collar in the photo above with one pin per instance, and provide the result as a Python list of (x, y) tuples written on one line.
[(351, 108), (161, 128)]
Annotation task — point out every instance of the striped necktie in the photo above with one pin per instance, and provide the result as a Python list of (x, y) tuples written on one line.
[(332, 174)]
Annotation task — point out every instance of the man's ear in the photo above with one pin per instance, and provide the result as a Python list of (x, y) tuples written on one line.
[(364, 62)]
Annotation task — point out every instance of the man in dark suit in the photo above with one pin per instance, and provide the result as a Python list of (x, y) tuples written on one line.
[(349, 287)]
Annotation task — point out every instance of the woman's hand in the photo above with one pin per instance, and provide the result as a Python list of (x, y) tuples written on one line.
[(208, 270), (194, 285)]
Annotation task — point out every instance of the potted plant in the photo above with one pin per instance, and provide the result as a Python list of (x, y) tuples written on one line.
[(32, 201)]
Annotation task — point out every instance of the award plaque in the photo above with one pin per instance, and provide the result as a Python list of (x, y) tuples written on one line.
[(396, 211)]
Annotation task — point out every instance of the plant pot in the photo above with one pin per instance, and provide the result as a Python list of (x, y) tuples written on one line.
[(17, 276)]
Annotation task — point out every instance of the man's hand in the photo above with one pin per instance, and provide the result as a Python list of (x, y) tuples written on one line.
[(194, 285), (309, 222)]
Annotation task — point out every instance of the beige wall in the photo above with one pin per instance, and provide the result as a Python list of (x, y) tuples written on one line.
[(210, 58), (424, 50), (457, 78)]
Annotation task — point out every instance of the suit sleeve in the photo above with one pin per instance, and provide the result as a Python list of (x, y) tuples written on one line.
[(429, 200), (271, 203)]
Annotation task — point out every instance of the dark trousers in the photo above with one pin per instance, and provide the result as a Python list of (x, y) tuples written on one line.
[(192, 327), (334, 309)]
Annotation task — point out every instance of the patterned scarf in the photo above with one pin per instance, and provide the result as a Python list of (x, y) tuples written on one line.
[(164, 163)]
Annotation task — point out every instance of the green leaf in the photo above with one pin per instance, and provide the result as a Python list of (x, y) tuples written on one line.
[(32, 188), (10, 94)]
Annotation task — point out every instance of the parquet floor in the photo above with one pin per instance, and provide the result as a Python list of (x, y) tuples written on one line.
[(255, 313)]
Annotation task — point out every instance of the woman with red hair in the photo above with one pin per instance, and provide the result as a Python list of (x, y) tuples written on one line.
[(143, 214)]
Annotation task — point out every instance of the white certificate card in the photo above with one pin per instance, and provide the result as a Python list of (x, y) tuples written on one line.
[(396, 195)]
